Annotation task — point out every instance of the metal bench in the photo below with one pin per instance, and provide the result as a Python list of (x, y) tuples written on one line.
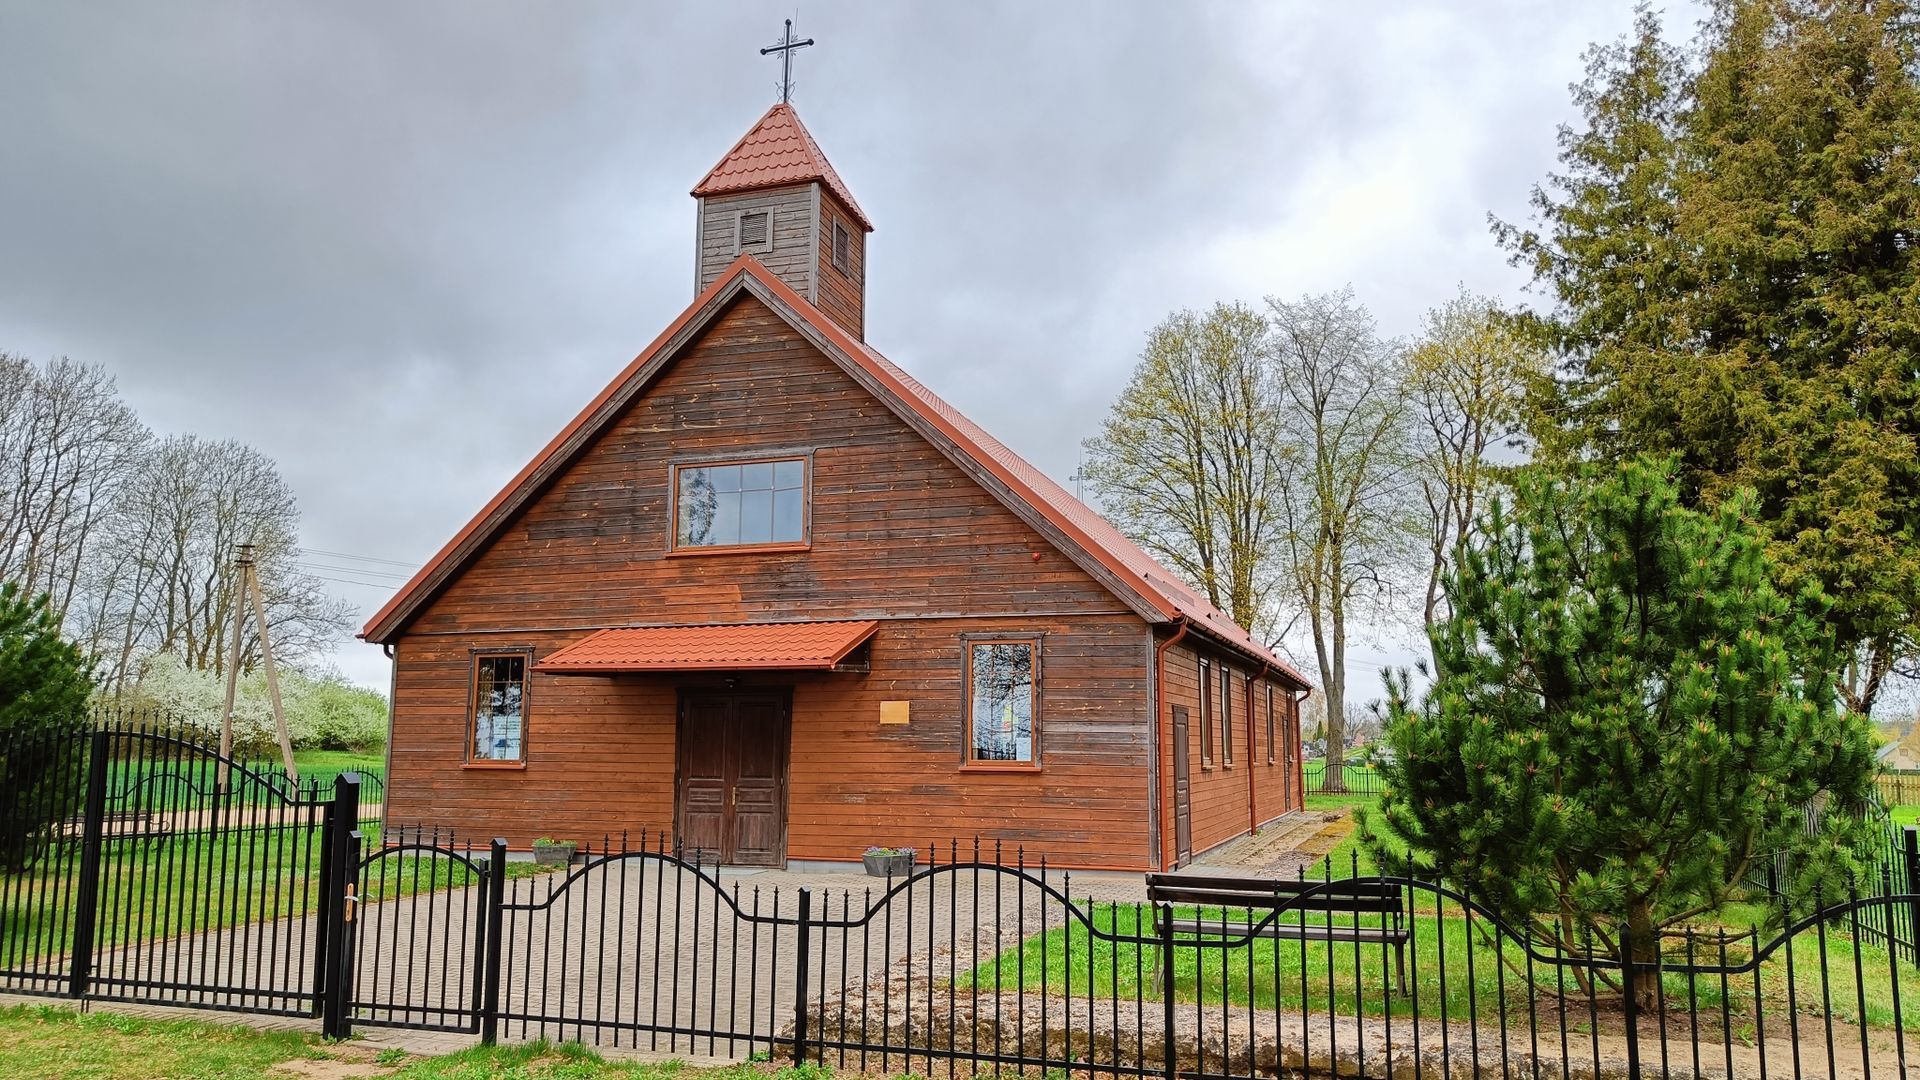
[(1251, 895), (119, 825)]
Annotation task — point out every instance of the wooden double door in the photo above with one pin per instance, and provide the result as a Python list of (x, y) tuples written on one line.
[(732, 798)]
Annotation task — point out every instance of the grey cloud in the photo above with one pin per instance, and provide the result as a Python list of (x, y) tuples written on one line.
[(397, 246)]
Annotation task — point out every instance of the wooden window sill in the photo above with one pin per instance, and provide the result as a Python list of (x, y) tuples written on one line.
[(496, 766), (995, 767), (741, 549)]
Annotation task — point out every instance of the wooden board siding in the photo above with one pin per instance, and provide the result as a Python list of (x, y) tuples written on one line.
[(898, 533), (842, 295), (1225, 802), (791, 256), (601, 753)]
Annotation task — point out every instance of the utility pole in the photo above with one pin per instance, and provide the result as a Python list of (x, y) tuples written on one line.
[(246, 593), (273, 676), (233, 666)]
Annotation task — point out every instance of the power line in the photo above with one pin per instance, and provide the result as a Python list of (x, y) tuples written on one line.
[(357, 558), (365, 571), (386, 585)]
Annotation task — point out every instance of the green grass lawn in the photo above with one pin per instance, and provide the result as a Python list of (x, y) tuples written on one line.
[(1454, 970), (198, 882), (43, 1043)]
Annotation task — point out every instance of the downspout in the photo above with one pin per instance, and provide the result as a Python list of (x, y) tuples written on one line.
[(1299, 757), (1253, 803), (1160, 707), (393, 703)]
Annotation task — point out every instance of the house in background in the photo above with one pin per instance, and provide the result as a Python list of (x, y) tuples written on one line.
[(771, 594)]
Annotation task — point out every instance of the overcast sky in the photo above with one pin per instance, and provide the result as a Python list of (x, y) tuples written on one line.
[(397, 246)]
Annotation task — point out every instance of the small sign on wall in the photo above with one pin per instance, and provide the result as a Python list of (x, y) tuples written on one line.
[(893, 712)]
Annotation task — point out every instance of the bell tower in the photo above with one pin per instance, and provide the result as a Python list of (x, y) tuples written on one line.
[(774, 196)]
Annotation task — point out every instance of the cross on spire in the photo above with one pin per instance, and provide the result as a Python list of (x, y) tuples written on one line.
[(785, 47)]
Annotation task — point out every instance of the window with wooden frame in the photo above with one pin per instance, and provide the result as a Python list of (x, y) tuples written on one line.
[(842, 249), (497, 713), (1226, 715), (1002, 707), (1206, 715), (1270, 727), (753, 231), (740, 504)]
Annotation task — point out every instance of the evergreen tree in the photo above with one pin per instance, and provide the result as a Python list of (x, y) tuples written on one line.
[(1733, 246), (44, 685), (1629, 717)]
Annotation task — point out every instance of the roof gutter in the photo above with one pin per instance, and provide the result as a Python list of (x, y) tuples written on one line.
[(1165, 779)]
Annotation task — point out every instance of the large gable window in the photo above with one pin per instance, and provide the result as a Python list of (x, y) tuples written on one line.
[(742, 504), (1003, 698), (499, 722)]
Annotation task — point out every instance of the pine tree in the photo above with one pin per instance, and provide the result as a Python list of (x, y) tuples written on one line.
[(1630, 716), (45, 682)]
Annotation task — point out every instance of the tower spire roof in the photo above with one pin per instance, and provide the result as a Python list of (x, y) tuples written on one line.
[(777, 151)]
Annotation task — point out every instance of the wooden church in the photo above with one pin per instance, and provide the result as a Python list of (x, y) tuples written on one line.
[(771, 594)]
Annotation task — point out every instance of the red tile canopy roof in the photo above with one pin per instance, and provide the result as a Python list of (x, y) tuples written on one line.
[(808, 646), (776, 152)]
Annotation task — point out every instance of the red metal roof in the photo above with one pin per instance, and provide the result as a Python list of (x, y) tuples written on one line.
[(777, 151), (809, 646), (1158, 588), (1057, 503)]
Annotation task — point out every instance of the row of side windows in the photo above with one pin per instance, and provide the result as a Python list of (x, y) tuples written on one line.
[(1000, 711), (1218, 685)]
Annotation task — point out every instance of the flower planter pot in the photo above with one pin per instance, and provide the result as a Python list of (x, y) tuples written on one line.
[(897, 865), (553, 854)]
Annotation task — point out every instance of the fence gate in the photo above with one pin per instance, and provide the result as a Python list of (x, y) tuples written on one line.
[(414, 931), (139, 866)]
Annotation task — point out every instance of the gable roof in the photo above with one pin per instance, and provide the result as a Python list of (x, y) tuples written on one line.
[(1135, 577), (775, 152)]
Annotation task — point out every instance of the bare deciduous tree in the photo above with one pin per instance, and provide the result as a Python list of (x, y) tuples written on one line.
[(1187, 462), (191, 504), (133, 538), (1347, 484), (66, 444), (1467, 379)]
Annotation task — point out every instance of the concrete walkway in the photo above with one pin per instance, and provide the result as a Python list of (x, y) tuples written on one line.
[(1292, 846)]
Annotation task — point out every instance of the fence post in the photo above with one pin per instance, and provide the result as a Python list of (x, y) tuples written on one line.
[(1164, 916), (805, 935), (323, 929), (86, 905), (496, 896), (343, 858), (1630, 993), (343, 938), (1911, 851)]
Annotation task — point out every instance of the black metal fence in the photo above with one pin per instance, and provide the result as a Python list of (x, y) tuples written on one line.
[(985, 961), (1356, 778), (981, 960), (143, 867)]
